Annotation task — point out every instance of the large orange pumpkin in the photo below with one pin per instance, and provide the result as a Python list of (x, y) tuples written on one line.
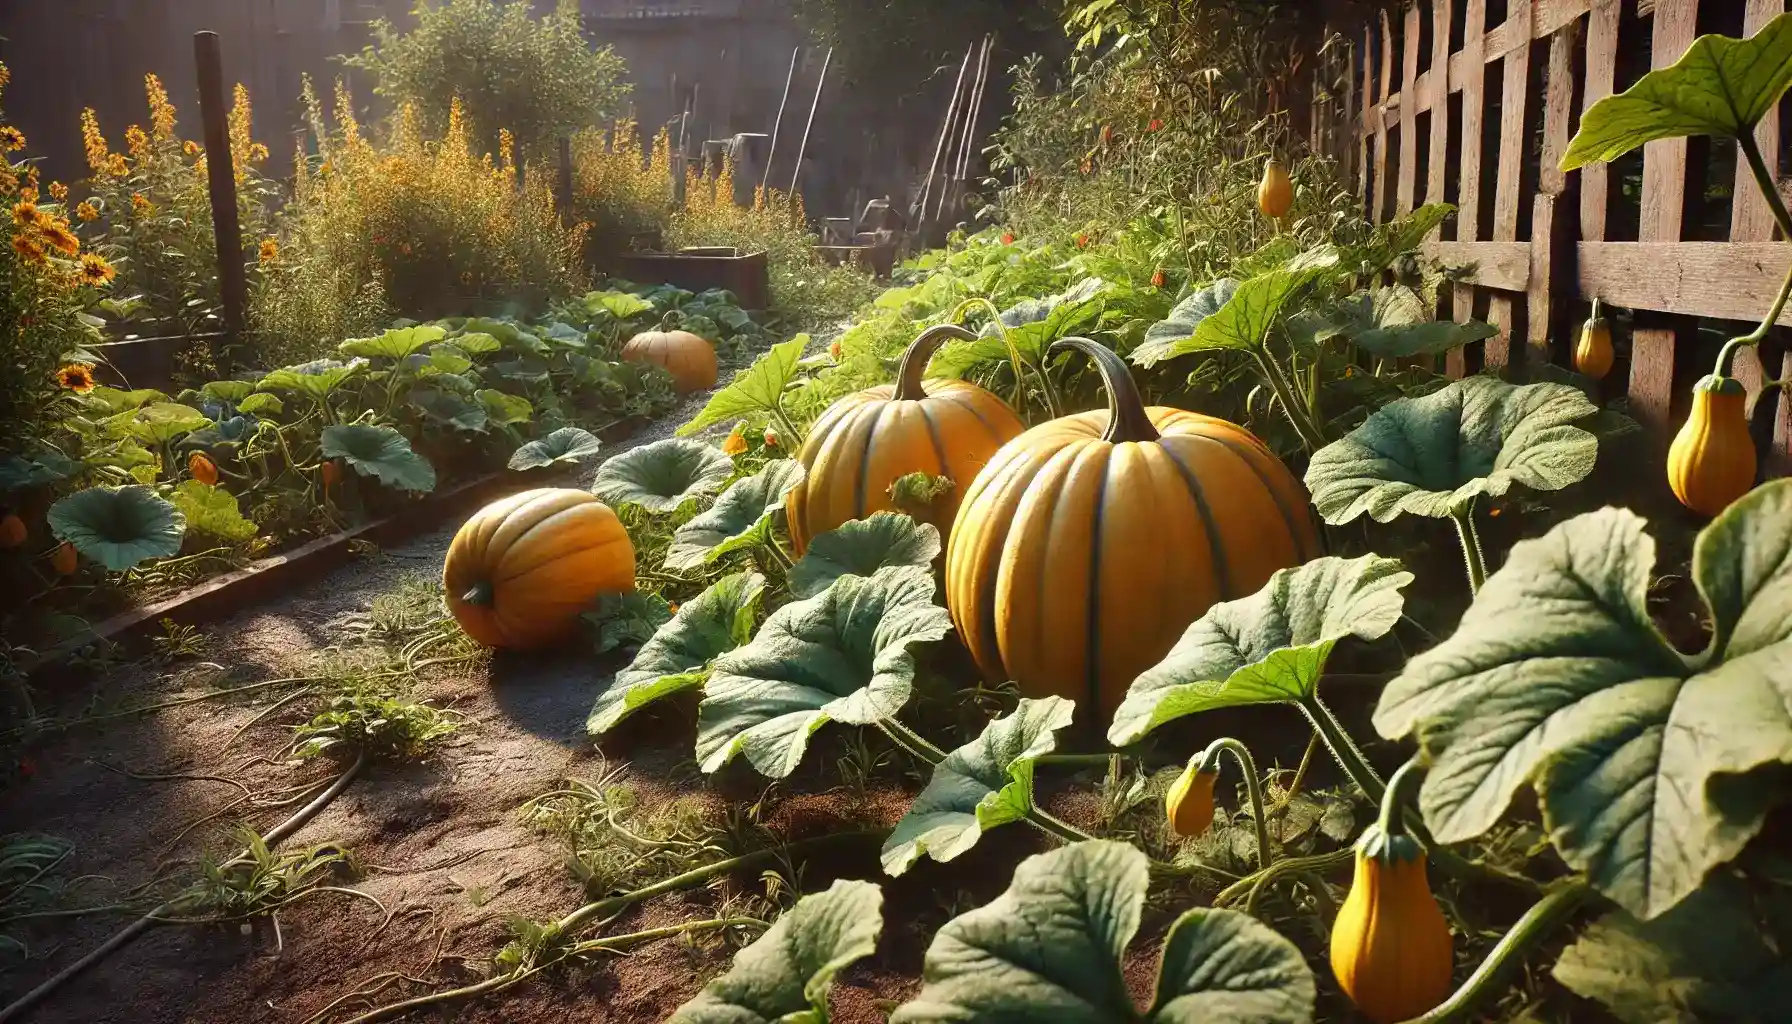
[(865, 441), (1090, 542), (522, 569), (689, 358)]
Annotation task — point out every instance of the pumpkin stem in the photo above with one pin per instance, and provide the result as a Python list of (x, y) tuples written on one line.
[(1210, 762), (479, 594), (1595, 317), (1402, 788), (1127, 420), (914, 359), (1489, 979)]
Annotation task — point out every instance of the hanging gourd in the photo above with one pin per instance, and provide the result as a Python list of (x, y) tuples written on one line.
[(522, 569), (12, 530), (689, 358), (64, 559), (1391, 948), (1593, 352), (1188, 806), (1712, 460), (203, 469), (1090, 542), (1275, 193), (864, 442)]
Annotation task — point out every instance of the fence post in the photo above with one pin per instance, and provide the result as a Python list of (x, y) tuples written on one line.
[(233, 282)]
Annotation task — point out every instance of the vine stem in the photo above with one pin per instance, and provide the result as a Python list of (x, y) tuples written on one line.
[(1343, 749), (1046, 390), (1764, 180), (919, 747), (1470, 539), (785, 424), (1489, 978), (1253, 787), (1278, 382)]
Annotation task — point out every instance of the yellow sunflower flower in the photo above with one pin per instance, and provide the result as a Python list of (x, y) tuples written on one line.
[(270, 251), (29, 247), (11, 139), (95, 270), (76, 377), (87, 211), (25, 214), (58, 191), (56, 233), (190, 148)]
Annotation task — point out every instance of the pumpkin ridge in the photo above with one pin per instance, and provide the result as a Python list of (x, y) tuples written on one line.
[(1092, 616), (524, 547), (1295, 533), (933, 435), (492, 517), (864, 479), (1222, 566), (1067, 457), (523, 520), (967, 402)]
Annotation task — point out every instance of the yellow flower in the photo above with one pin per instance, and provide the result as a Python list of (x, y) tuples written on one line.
[(29, 193), (135, 141), (76, 377), (190, 148), (161, 112), (28, 246), (257, 152), (87, 211), (25, 214), (95, 270), (116, 166), (58, 191), (98, 155), (737, 441), (270, 251), (11, 139), (56, 233), (141, 205)]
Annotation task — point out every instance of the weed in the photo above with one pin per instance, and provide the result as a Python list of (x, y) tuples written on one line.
[(613, 843), (262, 881), (177, 641), (377, 721)]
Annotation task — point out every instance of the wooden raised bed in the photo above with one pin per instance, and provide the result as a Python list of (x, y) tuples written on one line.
[(873, 259), (699, 268)]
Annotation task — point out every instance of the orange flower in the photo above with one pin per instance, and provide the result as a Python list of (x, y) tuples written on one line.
[(136, 141), (1008, 238), (76, 377), (736, 443), (270, 251), (56, 233), (11, 139), (140, 204), (1082, 241), (28, 246), (58, 191), (1156, 124), (87, 211), (25, 214), (190, 148), (95, 270), (116, 166), (1157, 279), (834, 351)]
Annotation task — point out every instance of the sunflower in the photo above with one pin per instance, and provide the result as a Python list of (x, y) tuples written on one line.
[(25, 214), (55, 232), (58, 191), (87, 211), (76, 377), (95, 270), (27, 245), (270, 251), (11, 139), (190, 148)]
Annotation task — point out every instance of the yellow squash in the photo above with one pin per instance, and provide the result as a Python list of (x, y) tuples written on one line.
[(1712, 460), (1593, 351), (689, 358), (522, 569), (1275, 193), (864, 442), (1188, 806), (1090, 542)]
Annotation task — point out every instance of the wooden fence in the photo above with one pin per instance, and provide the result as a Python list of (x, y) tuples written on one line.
[(1473, 102)]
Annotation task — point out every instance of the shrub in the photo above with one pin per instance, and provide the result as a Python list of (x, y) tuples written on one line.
[(616, 188)]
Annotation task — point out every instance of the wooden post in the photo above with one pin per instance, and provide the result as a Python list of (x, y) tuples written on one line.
[(233, 282), (1380, 109), (1501, 307), (1468, 186), (1752, 221), (1405, 187), (803, 147), (778, 124), (939, 146), (1552, 224)]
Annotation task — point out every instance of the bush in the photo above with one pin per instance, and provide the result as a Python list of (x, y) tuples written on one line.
[(537, 77), (619, 190), (423, 228)]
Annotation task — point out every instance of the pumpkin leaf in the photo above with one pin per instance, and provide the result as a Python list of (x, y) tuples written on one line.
[(755, 389), (1050, 949), (620, 305), (1643, 758), (379, 452), (394, 344), (212, 512), (232, 391), (448, 408), (740, 518), (985, 783), (627, 618), (1704, 960), (568, 445), (47, 466), (108, 401), (1268, 648), (1436, 453), (504, 409), (1719, 86), (1031, 324), (477, 343), (118, 527), (842, 656), (1421, 339), (1182, 321), (784, 976), (260, 404), (442, 359), (1244, 321), (679, 654), (860, 547), (159, 423), (315, 380), (663, 475)]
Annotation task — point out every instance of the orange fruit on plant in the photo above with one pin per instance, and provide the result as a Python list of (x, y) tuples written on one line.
[(1593, 353), (1089, 543), (864, 442), (1712, 460), (522, 569), (12, 530), (64, 559), (203, 469), (1275, 193), (689, 358)]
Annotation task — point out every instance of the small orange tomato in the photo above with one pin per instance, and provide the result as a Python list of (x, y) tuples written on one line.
[(1157, 279), (64, 559), (771, 438), (834, 351), (12, 531), (1008, 238), (203, 469)]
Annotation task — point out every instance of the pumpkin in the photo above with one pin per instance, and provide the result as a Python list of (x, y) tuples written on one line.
[(1593, 352), (689, 358), (1275, 193), (64, 559), (332, 474), (522, 569), (203, 469), (1712, 460), (1089, 543), (1391, 948), (1188, 806), (866, 441), (12, 530)]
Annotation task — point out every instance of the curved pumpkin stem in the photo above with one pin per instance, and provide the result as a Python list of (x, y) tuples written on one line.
[(914, 360), (479, 594), (1126, 409)]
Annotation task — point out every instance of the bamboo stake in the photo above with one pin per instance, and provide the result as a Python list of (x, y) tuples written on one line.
[(807, 128), (945, 130), (772, 153), (973, 100)]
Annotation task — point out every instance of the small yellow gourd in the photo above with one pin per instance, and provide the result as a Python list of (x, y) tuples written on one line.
[(1712, 460), (1188, 806), (1275, 193), (1391, 947), (1593, 352)]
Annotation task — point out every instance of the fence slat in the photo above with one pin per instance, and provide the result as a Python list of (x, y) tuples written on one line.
[(1409, 106), (1468, 189), (1552, 239), (1664, 192), (1752, 221), (1366, 108), (1435, 179), (1501, 310), (1381, 125), (1601, 70)]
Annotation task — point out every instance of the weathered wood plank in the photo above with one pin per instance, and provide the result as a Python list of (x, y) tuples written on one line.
[(1723, 280), (1507, 180), (1505, 266), (1385, 72), (1365, 101), (1664, 182), (1468, 189), (1779, 462), (1598, 78), (1409, 130), (1438, 88), (1551, 241), (1750, 218)]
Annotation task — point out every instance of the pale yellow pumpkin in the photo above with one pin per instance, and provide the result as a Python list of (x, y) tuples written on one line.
[(689, 358)]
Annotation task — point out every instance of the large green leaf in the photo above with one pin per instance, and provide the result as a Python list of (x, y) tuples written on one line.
[(1434, 454), (985, 783), (1031, 325), (315, 379), (620, 305), (1182, 321), (629, 618), (1708, 959), (740, 518), (842, 655), (477, 343), (159, 423), (45, 466), (567, 445), (118, 527), (1719, 86), (232, 391), (783, 977), (679, 654), (108, 401), (260, 404), (381, 453), (448, 408), (1644, 759), (504, 409), (663, 475), (860, 547), (1421, 339), (1269, 648), (1244, 321), (394, 344), (212, 512), (1050, 949), (753, 390)]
